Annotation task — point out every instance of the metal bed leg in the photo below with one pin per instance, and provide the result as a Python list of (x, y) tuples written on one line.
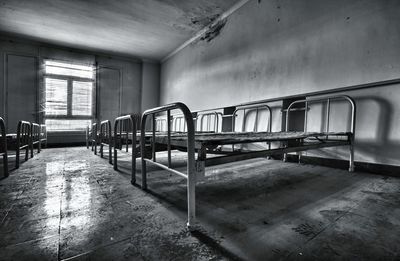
[(87, 137), (5, 163), (5, 155), (351, 160), (143, 151), (101, 148), (31, 137), (115, 153), (133, 171), (144, 171), (28, 140), (169, 138), (17, 150), (191, 198), (109, 145), (40, 143), (95, 143)]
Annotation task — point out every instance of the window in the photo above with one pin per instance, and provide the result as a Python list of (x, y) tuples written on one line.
[(68, 96)]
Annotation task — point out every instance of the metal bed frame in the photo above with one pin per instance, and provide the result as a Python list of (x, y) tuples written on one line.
[(160, 123), (92, 138), (177, 121), (88, 136), (249, 108), (43, 136), (23, 140), (35, 137), (328, 100), (201, 143), (208, 116), (191, 163), (122, 125), (105, 139), (4, 147), (28, 135)]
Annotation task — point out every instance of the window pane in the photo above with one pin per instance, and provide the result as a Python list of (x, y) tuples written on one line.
[(82, 98), (67, 69), (67, 125), (56, 96)]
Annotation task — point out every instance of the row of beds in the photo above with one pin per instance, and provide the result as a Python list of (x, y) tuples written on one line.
[(199, 135), (29, 137)]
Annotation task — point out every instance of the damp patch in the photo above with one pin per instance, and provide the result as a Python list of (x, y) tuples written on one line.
[(214, 30)]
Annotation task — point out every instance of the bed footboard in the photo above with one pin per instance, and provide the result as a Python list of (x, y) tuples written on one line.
[(122, 126), (191, 163), (93, 138), (23, 140), (328, 100), (43, 136), (105, 139), (35, 137)]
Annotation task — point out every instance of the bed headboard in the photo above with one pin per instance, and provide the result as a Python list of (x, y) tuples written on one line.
[(328, 100), (247, 109)]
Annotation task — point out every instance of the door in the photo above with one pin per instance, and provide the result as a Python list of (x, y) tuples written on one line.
[(21, 90), (109, 90)]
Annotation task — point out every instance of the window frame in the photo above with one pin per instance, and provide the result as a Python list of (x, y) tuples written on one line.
[(70, 79)]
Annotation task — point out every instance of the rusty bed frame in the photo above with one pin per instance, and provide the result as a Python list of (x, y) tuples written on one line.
[(205, 142)]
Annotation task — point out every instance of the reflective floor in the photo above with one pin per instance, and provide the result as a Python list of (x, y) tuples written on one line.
[(68, 204)]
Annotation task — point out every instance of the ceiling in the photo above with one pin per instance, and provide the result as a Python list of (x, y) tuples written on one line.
[(148, 29)]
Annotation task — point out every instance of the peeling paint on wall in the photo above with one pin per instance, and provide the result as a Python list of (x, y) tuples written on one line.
[(214, 30)]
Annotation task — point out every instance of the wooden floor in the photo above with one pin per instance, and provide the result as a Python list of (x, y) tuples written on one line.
[(67, 204)]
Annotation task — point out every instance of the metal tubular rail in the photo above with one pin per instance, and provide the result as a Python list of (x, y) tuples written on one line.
[(105, 139), (43, 135), (23, 140), (328, 100), (4, 146), (93, 138), (256, 107), (208, 115), (120, 122), (191, 167), (35, 137), (252, 107)]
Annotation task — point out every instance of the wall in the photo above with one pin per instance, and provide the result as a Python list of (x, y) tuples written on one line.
[(119, 82), (274, 48), (150, 85)]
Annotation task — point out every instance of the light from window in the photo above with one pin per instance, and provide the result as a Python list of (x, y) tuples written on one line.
[(58, 68), (82, 98), (56, 96), (68, 97), (67, 125)]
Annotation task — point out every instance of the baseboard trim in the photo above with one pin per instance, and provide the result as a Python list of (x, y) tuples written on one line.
[(375, 168), (66, 145)]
